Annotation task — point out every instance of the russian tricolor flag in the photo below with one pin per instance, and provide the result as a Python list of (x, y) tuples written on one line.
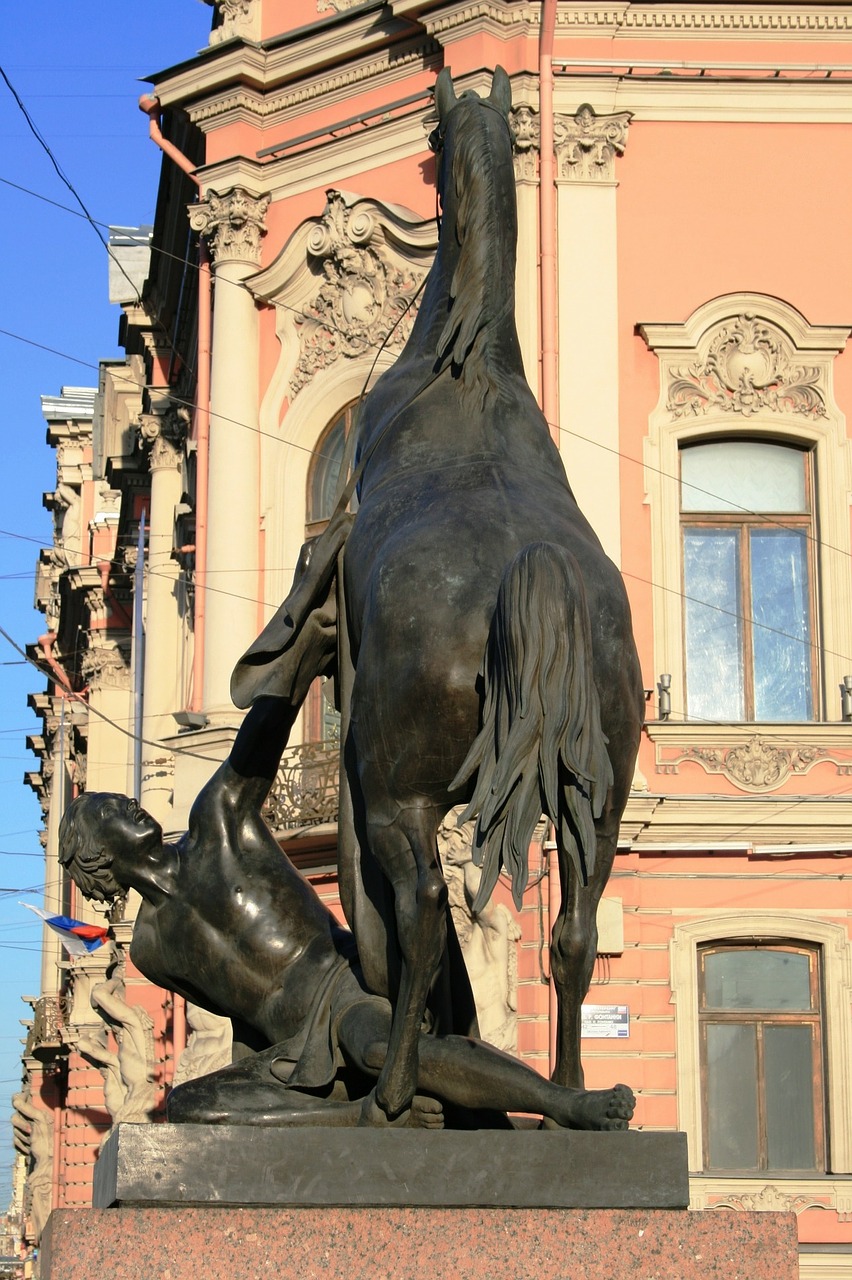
[(78, 939)]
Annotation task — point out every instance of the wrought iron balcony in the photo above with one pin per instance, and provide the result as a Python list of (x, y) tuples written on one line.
[(45, 1039), (306, 791)]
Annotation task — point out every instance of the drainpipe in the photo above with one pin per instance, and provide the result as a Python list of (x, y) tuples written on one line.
[(547, 219), (151, 108)]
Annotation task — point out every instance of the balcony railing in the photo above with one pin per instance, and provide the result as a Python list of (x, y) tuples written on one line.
[(45, 1040), (306, 790)]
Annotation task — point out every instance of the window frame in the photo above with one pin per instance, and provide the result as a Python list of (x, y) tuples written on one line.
[(744, 522), (774, 926), (760, 1019), (677, 346)]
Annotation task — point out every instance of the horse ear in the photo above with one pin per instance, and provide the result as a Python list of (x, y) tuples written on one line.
[(445, 94), (501, 91)]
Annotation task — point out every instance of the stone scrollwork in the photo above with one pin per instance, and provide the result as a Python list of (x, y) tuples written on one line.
[(240, 20), (525, 125), (770, 1199), (748, 368), (756, 763), (587, 144), (233, 223), (106, 667), (364, 300), (164, 434)]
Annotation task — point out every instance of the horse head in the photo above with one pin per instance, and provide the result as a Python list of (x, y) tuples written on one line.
[(446, 101)]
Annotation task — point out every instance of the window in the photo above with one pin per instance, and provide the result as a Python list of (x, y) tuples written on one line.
[(324, 476), (747, 527), (322, 720), (761, 1058)]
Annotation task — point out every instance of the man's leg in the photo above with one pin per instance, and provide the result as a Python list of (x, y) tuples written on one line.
[(469, 1073)]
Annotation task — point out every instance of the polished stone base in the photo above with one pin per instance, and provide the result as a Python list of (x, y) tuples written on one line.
[(401, 1244), (241, 1165)]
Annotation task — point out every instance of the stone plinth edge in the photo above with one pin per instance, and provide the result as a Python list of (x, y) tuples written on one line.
[(242, 1165)]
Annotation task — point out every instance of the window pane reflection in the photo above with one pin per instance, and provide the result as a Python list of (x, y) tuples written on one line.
[(713, 631), (732, 1096), (788, 1068), (781, 613), (742, 476), (756, 979)]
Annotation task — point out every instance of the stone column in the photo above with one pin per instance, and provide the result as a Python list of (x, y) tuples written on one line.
[(524, 123), (233, 224), (164, 434), (586, 147)]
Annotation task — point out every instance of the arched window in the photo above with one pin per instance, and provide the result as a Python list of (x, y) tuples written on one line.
[(324, 475), (748, 573), (760, 1021)]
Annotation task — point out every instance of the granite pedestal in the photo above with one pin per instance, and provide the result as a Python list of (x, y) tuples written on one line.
[(312, 1204)]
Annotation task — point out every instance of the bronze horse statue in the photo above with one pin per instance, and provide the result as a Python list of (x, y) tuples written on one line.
[(486, 652)]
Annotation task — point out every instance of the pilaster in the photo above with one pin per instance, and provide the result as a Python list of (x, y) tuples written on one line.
[(163, 433), (233, 223), (587, 145)]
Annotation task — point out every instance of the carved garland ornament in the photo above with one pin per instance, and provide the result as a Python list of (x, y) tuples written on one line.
[(748, 370), (770, 1199), (755, 765), (363, 302)]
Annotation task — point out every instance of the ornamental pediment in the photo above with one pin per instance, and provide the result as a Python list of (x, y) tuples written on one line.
[(346, 284)]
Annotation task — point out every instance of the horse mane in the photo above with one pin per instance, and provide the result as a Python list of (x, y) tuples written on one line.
[(477, 304)]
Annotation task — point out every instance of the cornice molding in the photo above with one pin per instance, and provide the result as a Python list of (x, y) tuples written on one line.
[(731, 21), (251, 104)]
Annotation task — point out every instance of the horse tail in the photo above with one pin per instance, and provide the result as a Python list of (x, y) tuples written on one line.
[(541, 748)]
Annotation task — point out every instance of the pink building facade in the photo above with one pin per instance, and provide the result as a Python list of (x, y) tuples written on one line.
[(684, 309)]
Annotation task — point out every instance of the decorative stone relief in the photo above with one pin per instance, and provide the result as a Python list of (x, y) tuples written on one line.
[(525, 125), (755, 763), (240, 20), (129, 1090), (364, 301), (106, 666), (587, 144), (233, 223), (748, 367), (770, 1199), (488, 940), (164, 435), (208, 1047), (338, 5), (32, 1130)]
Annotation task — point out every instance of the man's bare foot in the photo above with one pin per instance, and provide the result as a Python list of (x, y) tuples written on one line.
[(426, 1113), (601, 1109)]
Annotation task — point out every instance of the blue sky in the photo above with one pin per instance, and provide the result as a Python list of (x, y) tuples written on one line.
[(77, 69)]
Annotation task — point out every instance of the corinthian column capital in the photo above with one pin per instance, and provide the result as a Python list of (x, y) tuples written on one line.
[(587, 144), (233, 223), (240, 20)]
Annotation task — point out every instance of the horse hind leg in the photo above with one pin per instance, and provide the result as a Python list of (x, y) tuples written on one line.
[(406, 849), (573, 951)]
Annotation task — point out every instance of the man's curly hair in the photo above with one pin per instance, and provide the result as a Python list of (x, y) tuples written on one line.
[(82, 850)]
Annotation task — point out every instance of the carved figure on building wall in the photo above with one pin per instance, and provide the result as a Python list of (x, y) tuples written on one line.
[(32, 1129), (228, 922), (67, 545), (468, 565), (488, 938), (129, 1089), (208, 1047)]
